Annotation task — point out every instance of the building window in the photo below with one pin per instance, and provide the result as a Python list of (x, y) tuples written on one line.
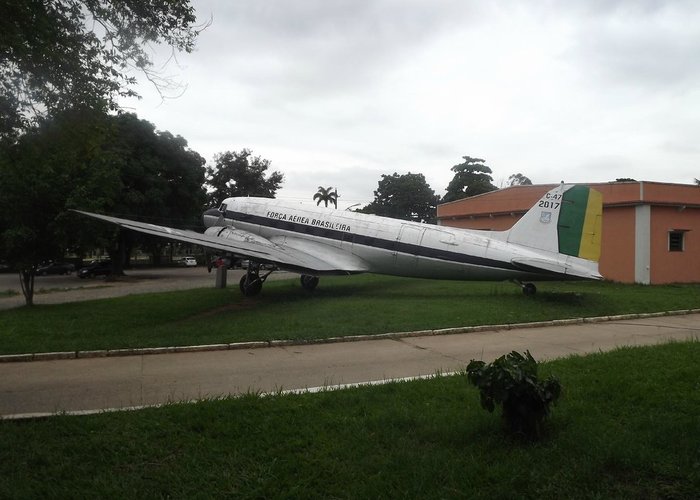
[(675, 241)]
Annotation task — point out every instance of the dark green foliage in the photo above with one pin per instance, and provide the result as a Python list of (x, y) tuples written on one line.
[(511, 381), (159, 176), (57, 55), (471, 178), (91, 161), (240, 174), (407, 197), (41, 175)]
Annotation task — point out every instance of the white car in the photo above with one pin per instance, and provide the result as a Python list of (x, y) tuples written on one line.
[(188, 262)]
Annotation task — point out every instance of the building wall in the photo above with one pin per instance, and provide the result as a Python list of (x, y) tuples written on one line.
[(617, 262), (675, 267)]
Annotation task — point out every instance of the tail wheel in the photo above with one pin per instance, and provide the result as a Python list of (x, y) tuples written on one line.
[(309, 283), (250, 287), (529, 289)]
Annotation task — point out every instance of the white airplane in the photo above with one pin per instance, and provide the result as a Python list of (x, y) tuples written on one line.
[(557, 239)]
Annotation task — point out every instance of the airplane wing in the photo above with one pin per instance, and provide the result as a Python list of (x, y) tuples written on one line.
[(328, 260), (335, 258)]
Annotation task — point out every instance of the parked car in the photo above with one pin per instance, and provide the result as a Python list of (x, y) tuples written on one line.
[(55, 268), (188, 261), (96, 268)]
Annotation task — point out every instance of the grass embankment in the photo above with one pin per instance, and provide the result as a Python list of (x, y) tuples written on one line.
[(340, 306), (627, 426)]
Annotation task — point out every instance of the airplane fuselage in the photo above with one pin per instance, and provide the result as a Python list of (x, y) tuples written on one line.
[(369, 243), (558, 238)]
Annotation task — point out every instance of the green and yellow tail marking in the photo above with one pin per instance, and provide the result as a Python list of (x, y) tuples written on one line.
[(580, 223)]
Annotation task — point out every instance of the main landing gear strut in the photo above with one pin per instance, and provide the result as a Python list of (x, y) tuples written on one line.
[(528, 288), (252, 281)]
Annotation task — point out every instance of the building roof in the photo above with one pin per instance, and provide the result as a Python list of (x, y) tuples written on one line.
[(518, 199)]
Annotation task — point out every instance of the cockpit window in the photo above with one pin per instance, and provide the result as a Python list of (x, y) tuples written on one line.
[(222, 208)]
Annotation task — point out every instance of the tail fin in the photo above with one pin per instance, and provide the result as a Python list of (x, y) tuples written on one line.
[(568, 220)]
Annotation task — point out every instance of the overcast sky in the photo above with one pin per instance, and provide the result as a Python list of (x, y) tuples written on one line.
[(337, 93)]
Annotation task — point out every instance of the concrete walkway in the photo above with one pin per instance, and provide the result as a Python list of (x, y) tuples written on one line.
[(78, 385)]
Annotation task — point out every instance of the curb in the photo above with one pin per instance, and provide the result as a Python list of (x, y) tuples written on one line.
[(51, 356)]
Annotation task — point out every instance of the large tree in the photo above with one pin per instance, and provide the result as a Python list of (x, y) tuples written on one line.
[(407, 197), (471, 177), (61, 54), (160, 180), (42, 174), (159, 176), (240, 174), (90, 161)]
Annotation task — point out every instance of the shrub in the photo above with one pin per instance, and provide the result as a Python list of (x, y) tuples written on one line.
[(511, 381)]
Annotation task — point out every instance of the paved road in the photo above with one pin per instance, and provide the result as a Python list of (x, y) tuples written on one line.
[(42, 387)]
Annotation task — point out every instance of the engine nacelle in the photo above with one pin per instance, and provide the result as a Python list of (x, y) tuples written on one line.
[(231, 233)]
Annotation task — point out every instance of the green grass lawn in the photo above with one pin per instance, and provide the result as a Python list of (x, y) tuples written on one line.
[(627, 426), (340, 306)]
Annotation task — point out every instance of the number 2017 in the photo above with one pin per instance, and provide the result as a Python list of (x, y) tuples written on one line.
[(548, 204)]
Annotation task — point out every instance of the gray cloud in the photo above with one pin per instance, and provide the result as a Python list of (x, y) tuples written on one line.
[(339, 92), (648, 45), (313, 49)]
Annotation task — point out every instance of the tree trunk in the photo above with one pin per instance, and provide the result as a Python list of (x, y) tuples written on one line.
[(117, 256), (26, 279)]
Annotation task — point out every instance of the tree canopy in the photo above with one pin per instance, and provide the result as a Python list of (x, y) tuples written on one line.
[(159, 176), (471, 177), (519, 180), (61, 54), (326, 196), (90, 161), (407, 197), (240, 174)]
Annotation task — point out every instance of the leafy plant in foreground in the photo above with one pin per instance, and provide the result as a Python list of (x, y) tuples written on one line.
[(511, 381)]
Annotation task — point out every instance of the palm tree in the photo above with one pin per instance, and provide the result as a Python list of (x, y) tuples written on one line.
[(325, 195)]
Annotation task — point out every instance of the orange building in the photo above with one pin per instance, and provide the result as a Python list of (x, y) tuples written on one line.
[(651, 230)]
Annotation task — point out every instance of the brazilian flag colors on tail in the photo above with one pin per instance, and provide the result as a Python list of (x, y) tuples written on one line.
[(566, 220), (580, 223)]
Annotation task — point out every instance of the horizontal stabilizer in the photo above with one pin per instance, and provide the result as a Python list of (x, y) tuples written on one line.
[(579, 267)]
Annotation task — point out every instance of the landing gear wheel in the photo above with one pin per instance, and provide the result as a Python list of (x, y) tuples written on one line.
[(250, 287), (309, 283), (529, 289)]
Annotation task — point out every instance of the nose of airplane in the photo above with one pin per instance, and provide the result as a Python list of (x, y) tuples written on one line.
[(211, 217)]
